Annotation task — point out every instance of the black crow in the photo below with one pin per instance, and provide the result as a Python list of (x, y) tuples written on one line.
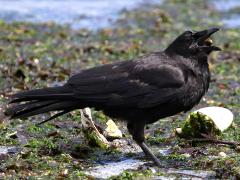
[(139, 91)]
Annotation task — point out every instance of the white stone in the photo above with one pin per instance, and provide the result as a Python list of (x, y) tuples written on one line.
[(186, 155), (222, 154), (221, 117), (178, 131)]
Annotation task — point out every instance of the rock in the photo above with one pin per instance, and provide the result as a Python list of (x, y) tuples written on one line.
[(64, 173), (209, 121), (178, 131), (197, 124), (112, 130), (186, 155), (237, 148), (222, 154)]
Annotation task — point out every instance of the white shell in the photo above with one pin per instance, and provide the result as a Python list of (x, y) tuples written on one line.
[(222, 117)]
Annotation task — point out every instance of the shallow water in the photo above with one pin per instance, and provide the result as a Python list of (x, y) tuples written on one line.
[(8, 149), (92, 14), (79, 13), (114, 168), (230, 20), (225, 5)]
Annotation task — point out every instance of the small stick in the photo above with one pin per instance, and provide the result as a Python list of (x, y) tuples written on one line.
[(208, 138)]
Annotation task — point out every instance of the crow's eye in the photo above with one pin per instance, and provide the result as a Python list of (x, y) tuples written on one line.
[(188, 33)]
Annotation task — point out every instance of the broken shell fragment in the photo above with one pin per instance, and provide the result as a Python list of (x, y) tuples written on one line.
[(112, 130)]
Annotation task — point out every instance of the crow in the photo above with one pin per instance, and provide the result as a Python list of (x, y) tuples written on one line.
[(139, 91)]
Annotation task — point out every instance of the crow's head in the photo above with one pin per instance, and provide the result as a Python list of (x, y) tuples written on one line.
[(192, 43)]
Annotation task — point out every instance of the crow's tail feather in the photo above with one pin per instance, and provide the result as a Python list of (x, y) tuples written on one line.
[(61, 92), (39, 101)]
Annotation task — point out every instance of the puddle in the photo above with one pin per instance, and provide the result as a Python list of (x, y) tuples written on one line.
[(9, 149), (114, 168), (192, 173), (186, 174), (165, 151)]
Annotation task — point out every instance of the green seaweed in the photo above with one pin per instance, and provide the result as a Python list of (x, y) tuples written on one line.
[(197, 124)]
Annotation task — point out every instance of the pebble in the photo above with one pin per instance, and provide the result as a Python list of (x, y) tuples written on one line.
[(222, 154), (186, 155)]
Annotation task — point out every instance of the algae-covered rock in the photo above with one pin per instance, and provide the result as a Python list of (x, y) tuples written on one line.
[(209, 120), (197, 124)]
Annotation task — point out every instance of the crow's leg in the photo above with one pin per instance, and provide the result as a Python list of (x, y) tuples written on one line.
[(137, 132)]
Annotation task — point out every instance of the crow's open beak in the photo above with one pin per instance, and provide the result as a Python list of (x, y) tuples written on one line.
[(203, 39)]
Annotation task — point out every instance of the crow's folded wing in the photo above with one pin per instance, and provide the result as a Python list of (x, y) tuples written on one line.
[(127, 84)]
